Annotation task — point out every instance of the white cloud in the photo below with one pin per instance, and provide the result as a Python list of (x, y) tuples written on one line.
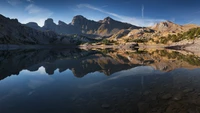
[(38, 14), (33, 9), (132, 20)]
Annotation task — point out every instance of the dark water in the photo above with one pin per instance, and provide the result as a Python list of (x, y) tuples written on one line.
[(101, 81)]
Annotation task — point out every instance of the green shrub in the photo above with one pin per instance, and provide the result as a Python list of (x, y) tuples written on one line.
[(191, 34)]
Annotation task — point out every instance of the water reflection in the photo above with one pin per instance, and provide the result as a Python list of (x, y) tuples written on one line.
[(137, 81), (82, 62)]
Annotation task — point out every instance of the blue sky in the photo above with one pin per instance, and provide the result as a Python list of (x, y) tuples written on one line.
[(131, 11)]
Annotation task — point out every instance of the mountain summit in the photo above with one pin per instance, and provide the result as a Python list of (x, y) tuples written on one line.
[(107, 20), (84, 26), (49, 24), (167, 26), (170, 27)]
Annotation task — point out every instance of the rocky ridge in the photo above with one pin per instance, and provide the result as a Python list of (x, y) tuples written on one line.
[(13, 32), (83, 26)]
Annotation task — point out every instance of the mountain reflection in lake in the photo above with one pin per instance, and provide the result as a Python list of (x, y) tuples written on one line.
[(99, 81)]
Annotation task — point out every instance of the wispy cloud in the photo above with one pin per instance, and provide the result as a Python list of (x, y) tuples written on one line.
[(190, 22), (33, 9), (38, 14), (18, 2), (173, 19), (132, 20), (31, 1), (142, 11), (14, 2), (104, 6)]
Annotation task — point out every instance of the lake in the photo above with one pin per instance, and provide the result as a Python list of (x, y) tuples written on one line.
[(99, 81)]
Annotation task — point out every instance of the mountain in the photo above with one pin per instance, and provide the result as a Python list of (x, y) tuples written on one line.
[(170, 27), (13, 32), (33, 25), (110, 26), (83, 26), (167, 26), (155, 32), (49, 25)]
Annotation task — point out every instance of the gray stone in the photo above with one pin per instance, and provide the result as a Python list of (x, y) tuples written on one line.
[(166, 96), (177, 97), (187, 90)]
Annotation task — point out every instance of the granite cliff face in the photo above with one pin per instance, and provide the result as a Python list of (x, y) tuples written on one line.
[(49, 25), (83, 26), (33, 25), (112, 26), (13, 32), (167, 26)]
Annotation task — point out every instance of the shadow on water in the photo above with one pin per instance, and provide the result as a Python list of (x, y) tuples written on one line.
[(74, 81)]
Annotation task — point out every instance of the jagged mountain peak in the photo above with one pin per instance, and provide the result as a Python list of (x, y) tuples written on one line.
[(61, 23), (166, 26), (108, 18), (49, 20), (32, 23), (3, 18), (14, 32), (82, 25), (49, 24), (78, 19), (164, 23)]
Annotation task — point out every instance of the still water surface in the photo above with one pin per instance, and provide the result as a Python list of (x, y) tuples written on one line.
[(99, 81)]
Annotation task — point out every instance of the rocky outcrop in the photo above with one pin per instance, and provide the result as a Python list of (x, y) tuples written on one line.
[(49, 25), (13, 32), (111, 26), (153, 33), (33, 25), (82, 26), (167, 26), (120, 34)]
